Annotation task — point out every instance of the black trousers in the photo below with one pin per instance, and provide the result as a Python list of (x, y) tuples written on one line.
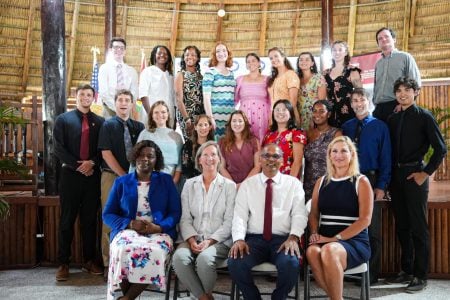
[(78, 194), (384, 110), (409, 202), (375, 233)]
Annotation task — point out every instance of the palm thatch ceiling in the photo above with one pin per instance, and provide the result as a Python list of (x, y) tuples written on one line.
[(423, 29)]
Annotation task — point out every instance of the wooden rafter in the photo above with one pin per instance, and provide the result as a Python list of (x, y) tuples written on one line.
[(413, 18), (352, 26), (295, 31), (27, 54), (73, 42), (219, 24), (262, 29), (406, 22), (123, 31), (174, 27)]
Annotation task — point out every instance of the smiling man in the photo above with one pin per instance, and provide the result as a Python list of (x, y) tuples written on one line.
[(269, 218), (413, 130), (117, 137), (392, 65)]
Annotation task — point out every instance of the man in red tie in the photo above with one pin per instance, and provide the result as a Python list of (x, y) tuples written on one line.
[(75, 137), (269, 219)]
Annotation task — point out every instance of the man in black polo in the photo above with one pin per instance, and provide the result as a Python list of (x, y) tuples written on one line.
[(75, 137), (412, 129), (117, 136)]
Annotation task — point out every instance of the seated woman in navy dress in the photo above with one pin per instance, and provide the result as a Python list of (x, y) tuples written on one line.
[(343, 201)]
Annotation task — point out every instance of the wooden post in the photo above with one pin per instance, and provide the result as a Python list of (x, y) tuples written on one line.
[(53, 82), (174, 27), (352, 26), (262, 29), (327, 30), (73, 42), (413, 18), (295, 31), (406, 20), (110, 22), (27, 54)]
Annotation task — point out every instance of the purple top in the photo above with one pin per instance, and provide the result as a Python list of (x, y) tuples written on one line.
[(239, 162)]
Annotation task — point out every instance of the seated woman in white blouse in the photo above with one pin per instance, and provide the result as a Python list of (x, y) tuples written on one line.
[(205, 226), (169, 141)]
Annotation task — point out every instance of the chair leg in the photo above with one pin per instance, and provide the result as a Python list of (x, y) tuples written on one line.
[(366, 285), (168, 279), (307, 282), (233, 290), (175, 288)]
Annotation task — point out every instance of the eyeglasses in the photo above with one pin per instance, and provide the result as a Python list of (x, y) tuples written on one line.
[(275, 156), (118, 47)]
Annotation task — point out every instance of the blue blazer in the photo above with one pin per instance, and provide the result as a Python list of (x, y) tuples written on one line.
[(164, 199)]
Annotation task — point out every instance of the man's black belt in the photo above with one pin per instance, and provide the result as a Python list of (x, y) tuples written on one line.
[(108, 171), (409, 164)]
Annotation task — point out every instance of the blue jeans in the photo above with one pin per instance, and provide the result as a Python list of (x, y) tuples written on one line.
[(264, 251)]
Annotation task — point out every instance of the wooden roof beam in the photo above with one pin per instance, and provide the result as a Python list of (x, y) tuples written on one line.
[(219, 24), (73, 42), (295, 31), (406, 24), (352, 26), (413, 18), (123, 30), (174, 27), (262, 29), (27, 54)]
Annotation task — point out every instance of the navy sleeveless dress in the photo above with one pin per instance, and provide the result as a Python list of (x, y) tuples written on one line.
[(339, 208)]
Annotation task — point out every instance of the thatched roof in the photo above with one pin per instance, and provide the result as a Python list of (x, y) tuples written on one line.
[(423, 29)]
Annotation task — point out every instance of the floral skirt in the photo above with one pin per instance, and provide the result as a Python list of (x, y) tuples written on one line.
[(138, 259)]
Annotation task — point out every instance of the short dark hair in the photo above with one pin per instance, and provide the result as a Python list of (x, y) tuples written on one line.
[(85, 87), (406, 82), (328, 105), (385, 28), (137, 149), (117, 39), (197, 51), (359, 91), (290, 108), (123, 92)]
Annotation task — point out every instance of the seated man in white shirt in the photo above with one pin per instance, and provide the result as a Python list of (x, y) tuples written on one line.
[(269, 218)]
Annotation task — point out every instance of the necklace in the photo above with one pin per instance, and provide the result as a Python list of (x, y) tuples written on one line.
[(322, 131)]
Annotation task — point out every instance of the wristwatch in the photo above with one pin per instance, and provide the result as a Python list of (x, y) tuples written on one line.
[(338, 237)]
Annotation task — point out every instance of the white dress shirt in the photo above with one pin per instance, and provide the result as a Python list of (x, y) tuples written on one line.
[(289, 215), (107, 82), (157, 85)]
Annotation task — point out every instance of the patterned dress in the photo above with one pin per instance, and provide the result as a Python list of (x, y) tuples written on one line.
[(281, 85), (316, 160), (188, 169), (309, 94), (338, 91), (138, 258), (221, 89), (285, 140), (192, 98), (255, 103)]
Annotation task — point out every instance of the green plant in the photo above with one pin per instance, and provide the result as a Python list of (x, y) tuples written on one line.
[(9, 115), (442, 116)]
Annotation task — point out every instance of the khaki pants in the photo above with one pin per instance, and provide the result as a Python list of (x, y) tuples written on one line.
[(106, 183)]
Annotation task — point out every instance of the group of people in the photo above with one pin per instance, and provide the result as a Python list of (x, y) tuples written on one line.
[(233, 185)]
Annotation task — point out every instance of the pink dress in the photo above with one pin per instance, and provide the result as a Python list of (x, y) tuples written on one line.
[(255, 103)]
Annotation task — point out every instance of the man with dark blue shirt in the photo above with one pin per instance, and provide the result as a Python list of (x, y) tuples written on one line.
[(413, 130), (117, 136), (75, 137), (371, 137)]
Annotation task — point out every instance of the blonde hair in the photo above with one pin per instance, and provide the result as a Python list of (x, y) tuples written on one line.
[(353, 169)]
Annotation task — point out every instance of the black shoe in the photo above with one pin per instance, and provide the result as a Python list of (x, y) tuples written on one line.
[(401, 277), (416, 285)]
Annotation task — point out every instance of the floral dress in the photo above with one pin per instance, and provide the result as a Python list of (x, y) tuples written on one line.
[(285, 140), (192, 98), (138, 258), (316, 160), (338, 91), (309, 94)]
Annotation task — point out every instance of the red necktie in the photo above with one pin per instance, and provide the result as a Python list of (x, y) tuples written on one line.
[(267, 233), (84, 143)]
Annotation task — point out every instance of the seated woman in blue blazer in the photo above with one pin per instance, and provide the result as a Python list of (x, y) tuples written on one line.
[(142, 211)]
